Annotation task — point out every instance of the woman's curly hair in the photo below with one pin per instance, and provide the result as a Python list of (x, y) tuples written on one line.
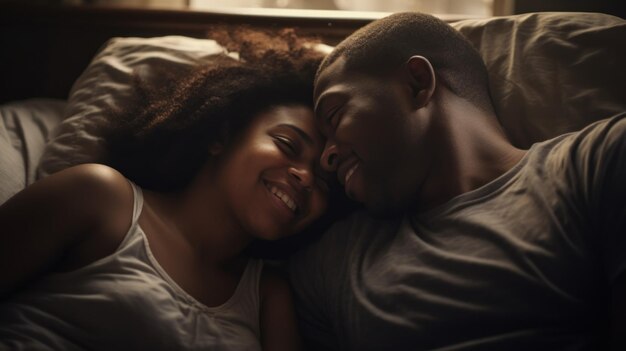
[(163, 140)]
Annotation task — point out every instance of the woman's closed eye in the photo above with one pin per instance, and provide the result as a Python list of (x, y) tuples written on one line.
[(288, 146)]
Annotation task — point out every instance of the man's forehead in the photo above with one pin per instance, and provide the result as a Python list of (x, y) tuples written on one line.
[(331, 75)]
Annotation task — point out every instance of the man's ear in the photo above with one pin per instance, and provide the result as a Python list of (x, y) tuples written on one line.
[(421, 79)]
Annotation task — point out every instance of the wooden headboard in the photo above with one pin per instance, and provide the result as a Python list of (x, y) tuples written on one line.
[(45, 48)]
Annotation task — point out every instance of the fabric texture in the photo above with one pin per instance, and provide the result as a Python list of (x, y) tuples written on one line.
[(524, 262), (551, 73), (25, 127), (127, 301)]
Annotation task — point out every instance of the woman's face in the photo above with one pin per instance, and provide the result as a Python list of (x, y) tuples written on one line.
[(271, 176)]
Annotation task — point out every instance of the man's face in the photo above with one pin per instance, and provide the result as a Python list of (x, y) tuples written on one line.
[(375, 136)]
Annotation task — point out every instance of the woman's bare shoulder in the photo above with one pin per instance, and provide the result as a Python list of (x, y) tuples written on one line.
[(103, 197), (76, 215), (86, 188), (92, 174)]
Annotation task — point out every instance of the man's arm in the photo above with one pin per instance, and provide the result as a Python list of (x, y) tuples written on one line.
[(604, 170), (613, 205), (598, 178)]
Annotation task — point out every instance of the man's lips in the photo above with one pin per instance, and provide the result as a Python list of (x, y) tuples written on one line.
[(346, 170), (350, 173)]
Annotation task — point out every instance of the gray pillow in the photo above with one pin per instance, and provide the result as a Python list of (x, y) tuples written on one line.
[(25, 127), (551, 73)]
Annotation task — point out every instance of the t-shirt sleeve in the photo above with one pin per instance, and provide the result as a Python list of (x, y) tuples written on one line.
[(315, 273), (601, 168)]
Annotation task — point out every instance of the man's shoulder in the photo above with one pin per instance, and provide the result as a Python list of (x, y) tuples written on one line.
[(611, 129), (602, 136), (614, 129)]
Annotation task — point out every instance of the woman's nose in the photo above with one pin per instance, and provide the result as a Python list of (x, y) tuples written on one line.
[(329, 157), (304, 176)]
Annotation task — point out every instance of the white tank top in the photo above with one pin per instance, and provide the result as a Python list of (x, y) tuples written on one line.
[(126, 301)]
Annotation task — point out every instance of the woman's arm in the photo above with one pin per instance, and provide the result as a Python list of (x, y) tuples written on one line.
[(279, 328), (49, 220)]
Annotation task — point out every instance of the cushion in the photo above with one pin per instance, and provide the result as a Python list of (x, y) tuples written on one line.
[(551, 73), (107, 84), (25, 127)]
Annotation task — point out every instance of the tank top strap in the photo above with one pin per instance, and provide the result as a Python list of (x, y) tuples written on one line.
[(253, 273), (133, 231), (246, 298), (138, 201)]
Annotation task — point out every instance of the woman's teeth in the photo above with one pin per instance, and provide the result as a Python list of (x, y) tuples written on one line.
[(285, 198)]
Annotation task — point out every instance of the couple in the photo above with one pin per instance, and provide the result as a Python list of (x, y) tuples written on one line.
[(467, 242)]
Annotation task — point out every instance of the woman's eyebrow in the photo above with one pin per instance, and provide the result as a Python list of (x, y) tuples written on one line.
[(300, 132)]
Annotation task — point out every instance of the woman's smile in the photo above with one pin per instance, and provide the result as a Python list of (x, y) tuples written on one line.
[(287, 199)]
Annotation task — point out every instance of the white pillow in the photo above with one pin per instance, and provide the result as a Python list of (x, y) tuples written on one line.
[(552, 73), (107, 83)]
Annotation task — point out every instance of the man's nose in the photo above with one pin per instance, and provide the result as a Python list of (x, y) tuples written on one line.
[(328, 159)]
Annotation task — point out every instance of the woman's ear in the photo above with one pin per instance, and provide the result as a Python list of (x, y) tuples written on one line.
[(217, 146), (422, 79)]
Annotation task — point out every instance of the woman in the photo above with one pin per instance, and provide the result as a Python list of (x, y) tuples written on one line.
[(92, 260)]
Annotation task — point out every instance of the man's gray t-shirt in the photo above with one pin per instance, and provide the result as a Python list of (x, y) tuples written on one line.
[(526, 261)]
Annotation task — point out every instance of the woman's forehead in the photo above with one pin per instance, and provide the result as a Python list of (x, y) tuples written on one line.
[(299, 118)]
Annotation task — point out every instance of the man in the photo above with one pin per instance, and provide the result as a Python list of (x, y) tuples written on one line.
[(477, 244)]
